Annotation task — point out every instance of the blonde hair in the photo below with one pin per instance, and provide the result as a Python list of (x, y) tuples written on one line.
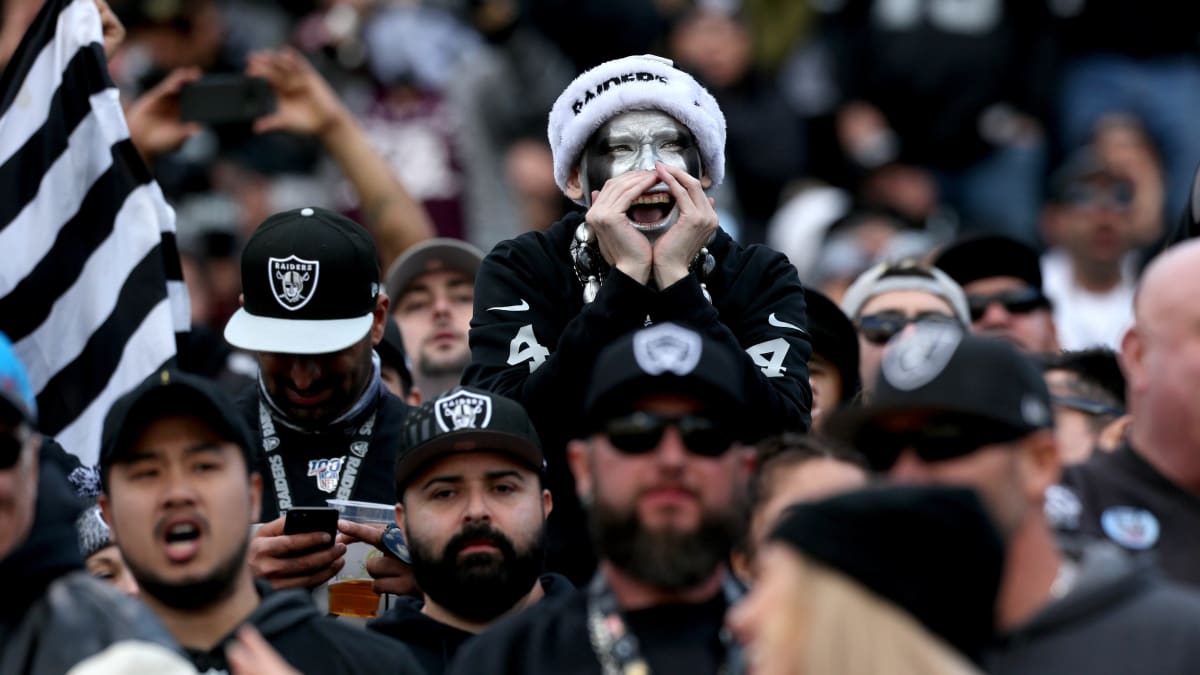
[(845, 629)]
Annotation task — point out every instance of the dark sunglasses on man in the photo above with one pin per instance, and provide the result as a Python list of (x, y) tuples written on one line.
[(1087, 406), (880, 327), (640, 432), (1017, 301), (937, 439)]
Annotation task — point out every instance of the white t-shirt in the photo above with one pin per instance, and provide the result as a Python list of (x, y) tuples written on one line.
[(1083, 318)]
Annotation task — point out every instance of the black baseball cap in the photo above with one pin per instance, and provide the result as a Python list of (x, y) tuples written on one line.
[(955, 390), (310, 278), (466, 419), (666, 358), (834, 338), (165, 393), (993, 255), (932, 551)]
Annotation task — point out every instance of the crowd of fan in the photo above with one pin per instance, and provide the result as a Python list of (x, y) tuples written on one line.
[(944, 421)]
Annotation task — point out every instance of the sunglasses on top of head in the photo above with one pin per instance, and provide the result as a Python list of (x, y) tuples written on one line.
[(1019, 301), (639, 433), (883, 326)]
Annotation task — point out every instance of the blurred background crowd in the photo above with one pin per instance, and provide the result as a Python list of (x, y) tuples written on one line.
[(859, 130)]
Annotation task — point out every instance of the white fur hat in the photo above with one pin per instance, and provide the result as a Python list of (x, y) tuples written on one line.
[(645, 82)]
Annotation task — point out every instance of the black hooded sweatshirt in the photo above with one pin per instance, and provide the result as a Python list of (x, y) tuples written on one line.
[(433, 642), (310, 642)]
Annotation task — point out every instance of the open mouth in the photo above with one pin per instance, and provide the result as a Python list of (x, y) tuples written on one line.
[(182, 540), (651, 210)]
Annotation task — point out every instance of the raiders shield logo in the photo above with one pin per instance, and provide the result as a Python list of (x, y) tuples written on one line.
[(463, 410), (327, 472), (914, 360), (1135, 529), (667, 348), (293, 280)]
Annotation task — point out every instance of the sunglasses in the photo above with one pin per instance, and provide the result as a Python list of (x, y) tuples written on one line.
[(11, 445), (1087, 406), (881, 327), (640, 432), (936, 440), (1020, 301)]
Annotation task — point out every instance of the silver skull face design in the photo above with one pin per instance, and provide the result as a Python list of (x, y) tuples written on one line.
[(293, 284), (634, 141)]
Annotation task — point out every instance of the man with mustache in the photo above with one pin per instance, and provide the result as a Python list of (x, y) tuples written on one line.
[(637, 143), (312, 312), (472, 508), (663, 473), (180, 493)]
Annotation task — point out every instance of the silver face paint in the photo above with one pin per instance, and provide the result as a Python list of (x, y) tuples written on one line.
[(634, 141)]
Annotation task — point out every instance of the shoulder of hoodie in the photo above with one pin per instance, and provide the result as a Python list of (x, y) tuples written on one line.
[(559, 621)]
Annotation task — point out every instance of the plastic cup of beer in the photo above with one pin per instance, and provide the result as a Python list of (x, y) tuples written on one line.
[(350, 592)]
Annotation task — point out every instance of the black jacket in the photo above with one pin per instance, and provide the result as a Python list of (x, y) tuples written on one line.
[(677, 638), (1120, 617), (534, 340), (54, 614), (312, 643), (1121, 497), (435, 643), (300, 453)]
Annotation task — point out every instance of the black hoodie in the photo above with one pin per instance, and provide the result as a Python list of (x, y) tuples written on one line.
[(312, 643), (54, 614), (433, 642)]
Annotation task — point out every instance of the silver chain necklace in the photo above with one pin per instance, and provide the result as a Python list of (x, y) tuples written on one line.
[(591, 268)]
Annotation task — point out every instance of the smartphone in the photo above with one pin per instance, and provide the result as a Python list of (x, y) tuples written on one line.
[(222, 99), (305, 519)]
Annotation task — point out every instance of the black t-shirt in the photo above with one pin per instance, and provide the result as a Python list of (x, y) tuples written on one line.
[(682, 638), (1119, 496)]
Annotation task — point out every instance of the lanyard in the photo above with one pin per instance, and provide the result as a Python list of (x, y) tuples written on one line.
[(348, 466), (617, 648)]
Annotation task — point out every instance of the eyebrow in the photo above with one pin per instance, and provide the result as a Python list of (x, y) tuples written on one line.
[(504, 473), (490, 475), (154, 453)]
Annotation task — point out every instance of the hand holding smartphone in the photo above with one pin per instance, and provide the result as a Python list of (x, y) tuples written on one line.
[(226, 98), (305, 519)]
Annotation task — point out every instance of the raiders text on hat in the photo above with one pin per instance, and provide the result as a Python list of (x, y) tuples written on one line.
[(463, 410), (294, 280)]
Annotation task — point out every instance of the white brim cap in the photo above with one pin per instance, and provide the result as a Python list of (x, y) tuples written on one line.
[(295, 336)]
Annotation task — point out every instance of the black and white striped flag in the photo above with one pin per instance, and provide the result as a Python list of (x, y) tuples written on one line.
[(91, 291)]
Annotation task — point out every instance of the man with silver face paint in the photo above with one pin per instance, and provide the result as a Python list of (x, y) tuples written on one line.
[(636, 142)]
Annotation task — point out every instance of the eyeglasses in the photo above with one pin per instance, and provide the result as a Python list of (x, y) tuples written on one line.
[(1087, 406), (881, 327), (936, 440), (1019, 301), (11, 445), (640, 432)]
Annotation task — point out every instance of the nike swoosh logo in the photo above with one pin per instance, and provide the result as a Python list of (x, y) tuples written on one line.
[(523, 307), (783, 324)]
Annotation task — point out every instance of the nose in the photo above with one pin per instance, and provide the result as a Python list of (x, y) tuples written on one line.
[(178, 489), (441, 305), (304, 372), (477, 508), (995, 314), (646, 158), (671, 452), (908, 469)]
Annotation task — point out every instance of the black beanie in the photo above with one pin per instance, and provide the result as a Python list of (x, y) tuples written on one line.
[(931, 551)]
